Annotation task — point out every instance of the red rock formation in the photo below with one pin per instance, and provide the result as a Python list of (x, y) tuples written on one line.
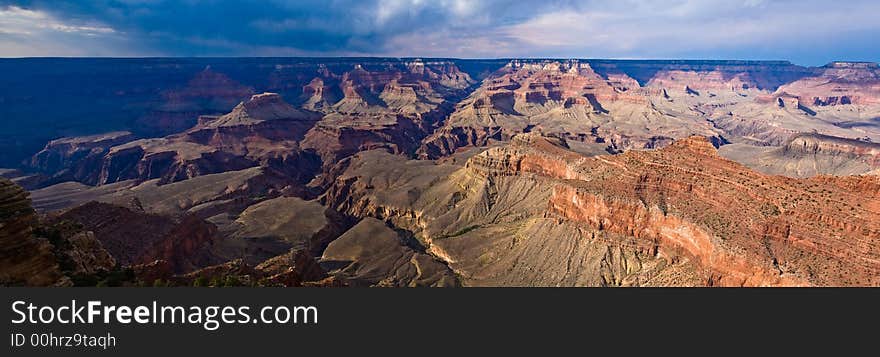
[(337, 137), (574, 83), (168, 160), (745, 228), (565, 99), (265, 123), (412, 88), (682, 203), (316, 96), (838, 83), (392, 108)]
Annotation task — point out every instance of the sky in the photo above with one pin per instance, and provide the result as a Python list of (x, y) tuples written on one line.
[(807, 32)]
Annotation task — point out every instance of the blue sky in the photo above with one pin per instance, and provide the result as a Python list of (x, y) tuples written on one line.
[(809, 32)]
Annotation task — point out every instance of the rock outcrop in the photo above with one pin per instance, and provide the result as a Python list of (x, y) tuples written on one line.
[(806, 155), (293, 269), (263, 131), (166, 159), (393, 108), (565, 99), (76, 158), (713, 221), (135, 237), (839, 83), (85, 254), (24, 258)]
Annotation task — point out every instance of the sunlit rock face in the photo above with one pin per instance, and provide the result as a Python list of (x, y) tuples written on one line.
[(681, 211), (839, 83)]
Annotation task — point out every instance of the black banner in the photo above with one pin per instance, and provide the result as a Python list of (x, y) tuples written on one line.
[(347, 321)]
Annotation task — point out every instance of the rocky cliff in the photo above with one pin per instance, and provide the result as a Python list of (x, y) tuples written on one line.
[(262, 131), (571, 100), (713, 221), (76, 158), (816, 144), (393, 108), (339, 111), (697, 74), (839, 83), (26, 259), (809, 154)]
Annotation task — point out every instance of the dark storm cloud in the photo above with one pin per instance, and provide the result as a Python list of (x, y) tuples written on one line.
[(808, 31), (226, 27)]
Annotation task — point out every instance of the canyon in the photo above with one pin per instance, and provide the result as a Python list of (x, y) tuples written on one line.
[(444, 172)]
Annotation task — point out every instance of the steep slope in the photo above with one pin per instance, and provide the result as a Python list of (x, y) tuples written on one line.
[(371, 253), (37, 252), (290, 222), (340, 111), (806, 155), (535, 213), (646, 104)]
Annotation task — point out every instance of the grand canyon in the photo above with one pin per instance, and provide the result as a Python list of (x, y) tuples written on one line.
[(406, 172)]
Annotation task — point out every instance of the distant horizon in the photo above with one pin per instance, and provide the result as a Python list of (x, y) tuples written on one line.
[(750, 30), (464, 59)]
